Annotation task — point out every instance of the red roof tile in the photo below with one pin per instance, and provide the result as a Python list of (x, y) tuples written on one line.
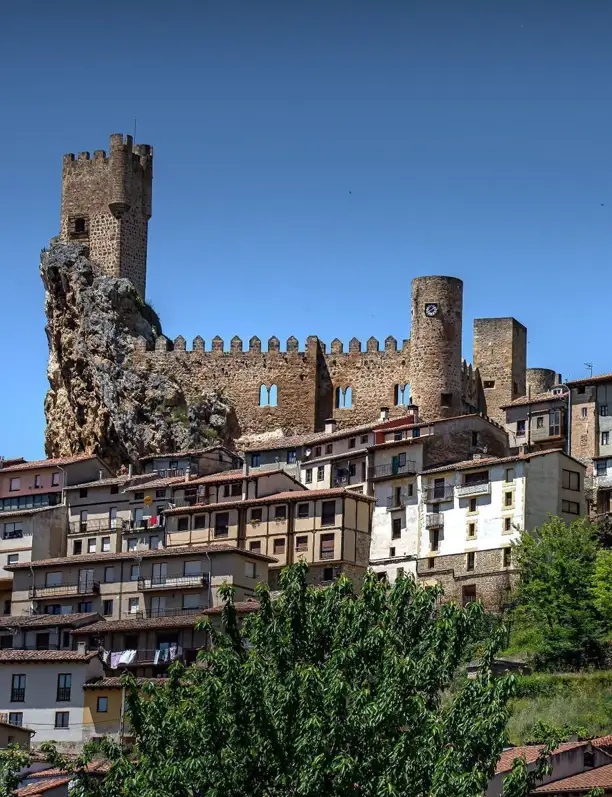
[(116, 682), (311, 438), (242, 607), (45, 655), (129, 623), (191, 452), (40, 788), (93, 766), (487, 462), (531, 753), (535, 399), (590, 380), (49, 463), (599, 778), (602, 741), (47, 620)]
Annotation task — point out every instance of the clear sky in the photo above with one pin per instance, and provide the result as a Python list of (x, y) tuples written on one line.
[(311, 157)]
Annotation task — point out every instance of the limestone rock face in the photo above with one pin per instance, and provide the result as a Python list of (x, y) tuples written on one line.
[(99, 399)]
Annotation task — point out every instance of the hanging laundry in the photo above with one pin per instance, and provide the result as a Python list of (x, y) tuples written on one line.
[(114, 659), (106, 656), (172, 652), (127, 657)]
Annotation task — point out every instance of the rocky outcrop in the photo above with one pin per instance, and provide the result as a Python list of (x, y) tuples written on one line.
[(99, 400)]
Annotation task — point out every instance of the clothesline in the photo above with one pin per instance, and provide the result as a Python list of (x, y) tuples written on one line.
[(123, 658)]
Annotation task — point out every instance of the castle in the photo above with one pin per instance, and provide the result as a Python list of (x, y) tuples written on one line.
[(106, 204)]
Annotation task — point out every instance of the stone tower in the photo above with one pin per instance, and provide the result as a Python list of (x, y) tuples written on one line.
[(500, 354), (106, 203), (435, 346)]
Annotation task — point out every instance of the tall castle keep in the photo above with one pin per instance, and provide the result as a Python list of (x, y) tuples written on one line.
[(106, 203)]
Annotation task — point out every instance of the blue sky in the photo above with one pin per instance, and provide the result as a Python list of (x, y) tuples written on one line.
[(311, 158)]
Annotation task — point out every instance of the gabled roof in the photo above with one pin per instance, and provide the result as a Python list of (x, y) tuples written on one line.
[(49, 463), (41, 787), (488, 462), (32, 511), (599, 778), (531, 753), (191, 452), (45, 655), (535, 399), (19, 727), (100, 767), (48, 620), (590, 380), (310, 438)]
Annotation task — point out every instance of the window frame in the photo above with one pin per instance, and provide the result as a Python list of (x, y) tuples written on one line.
[(102, 710)]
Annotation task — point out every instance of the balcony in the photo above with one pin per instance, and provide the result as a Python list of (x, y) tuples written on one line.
[(85, 587), (435, 494), (434, 520), (173, 612), (94, 526), (173, 582), (148, 656), (393, 502), (478, 488), (390, 470), (17, 695), (602, 482), (144, 524), (63, 694)]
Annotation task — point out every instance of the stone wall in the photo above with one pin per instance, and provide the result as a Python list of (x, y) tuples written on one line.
[(584, 425), (541, 380)]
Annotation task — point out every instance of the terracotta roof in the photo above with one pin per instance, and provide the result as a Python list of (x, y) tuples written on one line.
[(175, 550), (295, 441), (599, 778), (150, 480), (487, 462), (115, 682), (536, 399), (291, 495), (7, 461), (102, 482), (41, 787), (93, 767), (190, 452), (350, 454), (45, 655), (21, 727), (242, 607), (531, 753), (602, 741), (33, 511), (49, 463), (47, 620), (127, 624), (589, 380)]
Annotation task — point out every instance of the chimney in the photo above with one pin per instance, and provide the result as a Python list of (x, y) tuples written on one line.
[(130, 470), (330, 425), (384, 413), (477, 456), (187, 473)]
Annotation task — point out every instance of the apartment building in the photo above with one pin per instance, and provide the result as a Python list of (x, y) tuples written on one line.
[(32, 510), (198, 462), (471, 511), (330, 529), (42, 632), (401, 452), (43, 690), (538, 422)]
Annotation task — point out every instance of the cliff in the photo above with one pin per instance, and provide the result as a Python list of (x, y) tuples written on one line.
[(99, 399)]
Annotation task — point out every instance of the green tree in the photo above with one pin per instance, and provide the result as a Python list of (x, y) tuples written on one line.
[(556, 566), (602, 585), (12, 761), (321, 692)]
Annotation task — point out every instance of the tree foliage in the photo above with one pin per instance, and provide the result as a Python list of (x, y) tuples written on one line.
[(12, 761), (321, 692), (602, 585), (556, 564)]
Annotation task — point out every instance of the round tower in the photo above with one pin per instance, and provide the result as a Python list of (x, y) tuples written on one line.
[(541, 380), (435, 346)]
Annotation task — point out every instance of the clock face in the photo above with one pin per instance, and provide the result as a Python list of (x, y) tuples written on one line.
[(431, 310)]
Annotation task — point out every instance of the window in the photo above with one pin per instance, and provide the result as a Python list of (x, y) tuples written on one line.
[(54, 579), (55, 480), (571, 480), (84, 607), (109, 575), (468, 594), (479, 477), (474, 438), (554, 423), (279, 546), (12, 559), (280, 512), (15, 484), (344, 397), (301, 544), (488, 384), (352, 469), (303, 511), (13, 531), (16, 718), (434, 539), (327, 547), (236, 489), (42, 641), (396, 528), (182, 524), (139, 495), (7, 607), (401, 395), (507, 524), (256, 515), (114, 490), (509, 474), (605, 438), (473, 505), (398, 498), (102, 705), (79, 226), (520, 428), (160, 492), (603, 410), (507, 557), (106, 544), (133, 605), (328, 513), (107, 608), (174, 463), (134, 572), (131, 544), (392, 552), (221, 524), (18, 687), (601, 468), (317, 451), (250, 570), (570, 507), (62, 719), (431, 562), (308, 475), (199, 522), (331, 573), (508, 499), (37, 480), (397, 435), (193, 568), (416, 432), (329, 448), (64, 682), (446, 400), (191, 601), (320, 473), (91, 545), (153, 542), (352, 442), (255, 546), (470, 560), (268, 396), (83, 492), (291, 457), (584, 412), (363, 438), (539, 422), (471, 529)]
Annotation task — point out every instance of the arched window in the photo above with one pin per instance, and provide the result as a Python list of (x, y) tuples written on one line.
[(401, 395), (268, 396), (344, 398)]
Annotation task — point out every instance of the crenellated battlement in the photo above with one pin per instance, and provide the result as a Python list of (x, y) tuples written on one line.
[(139, 155)]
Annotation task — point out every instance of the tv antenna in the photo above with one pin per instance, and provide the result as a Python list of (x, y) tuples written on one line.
[(590, 367)]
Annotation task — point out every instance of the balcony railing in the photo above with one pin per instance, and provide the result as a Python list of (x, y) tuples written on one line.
[(74, 588), (93, 526), (602, 481), (434, 520), (148, 656), (63, 694), (396, 502), (435, 494), (144, 524), (173, 612), (478, 488), (393, 469), (171, 582), (327, 554), (17, 695)]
